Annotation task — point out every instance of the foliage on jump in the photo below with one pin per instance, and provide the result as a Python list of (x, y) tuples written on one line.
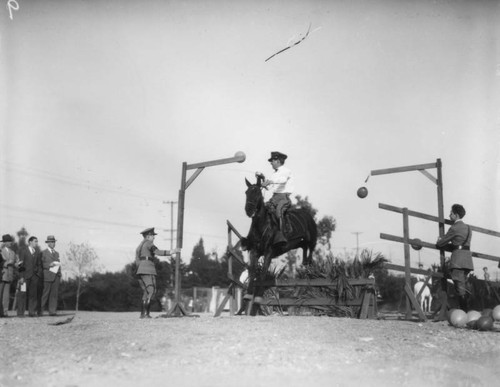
[(339, 270)]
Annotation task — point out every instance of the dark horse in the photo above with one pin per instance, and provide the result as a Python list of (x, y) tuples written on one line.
[(302, 232)]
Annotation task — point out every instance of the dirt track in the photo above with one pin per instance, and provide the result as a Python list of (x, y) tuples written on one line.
[(106, 349)]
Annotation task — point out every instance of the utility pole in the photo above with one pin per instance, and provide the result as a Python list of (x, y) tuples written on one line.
[(357, 241), (171, 223)]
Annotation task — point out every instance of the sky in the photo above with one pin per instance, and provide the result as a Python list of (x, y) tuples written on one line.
[(102, 102)]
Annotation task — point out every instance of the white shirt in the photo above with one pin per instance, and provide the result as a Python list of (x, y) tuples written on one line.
[(281, 181)]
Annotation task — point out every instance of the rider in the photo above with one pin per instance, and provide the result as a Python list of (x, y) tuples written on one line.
[(280, 185)]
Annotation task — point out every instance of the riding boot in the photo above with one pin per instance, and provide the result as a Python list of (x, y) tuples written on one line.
[(279, 237), (143, 309), (463, 303), (148, 308)]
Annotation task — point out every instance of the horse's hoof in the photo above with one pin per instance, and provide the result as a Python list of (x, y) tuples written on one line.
[(258, 300)]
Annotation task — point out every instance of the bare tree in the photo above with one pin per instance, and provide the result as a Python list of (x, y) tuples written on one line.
[(81, 261)]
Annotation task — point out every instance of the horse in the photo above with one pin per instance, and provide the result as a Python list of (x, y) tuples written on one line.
[(301, 233), (425, 298)]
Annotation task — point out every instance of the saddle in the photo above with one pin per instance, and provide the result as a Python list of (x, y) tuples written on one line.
[(292, 227)]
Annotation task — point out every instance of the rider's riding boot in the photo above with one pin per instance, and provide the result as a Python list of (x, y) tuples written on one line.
[(279, 238), (143, 309)]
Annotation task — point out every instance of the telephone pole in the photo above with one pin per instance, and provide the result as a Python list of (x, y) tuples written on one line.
[(171, 223), (357, 241)]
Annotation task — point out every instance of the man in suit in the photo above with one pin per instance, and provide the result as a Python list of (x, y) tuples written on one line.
[(31, 259), (51, 275), (457, 240)]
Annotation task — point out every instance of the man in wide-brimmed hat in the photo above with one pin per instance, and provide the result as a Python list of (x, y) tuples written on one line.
[(146, 271), (8, 262), (51, 275), (280, 184)]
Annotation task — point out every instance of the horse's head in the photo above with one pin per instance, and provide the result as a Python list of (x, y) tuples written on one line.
[(254, 198)]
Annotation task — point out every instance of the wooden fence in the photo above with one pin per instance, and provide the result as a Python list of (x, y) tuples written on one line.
[(407, 241)]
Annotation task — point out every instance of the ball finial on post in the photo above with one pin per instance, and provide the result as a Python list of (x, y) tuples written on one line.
[(241, 156)]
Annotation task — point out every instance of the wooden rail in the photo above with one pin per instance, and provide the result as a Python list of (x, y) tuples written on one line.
[(367, 300)]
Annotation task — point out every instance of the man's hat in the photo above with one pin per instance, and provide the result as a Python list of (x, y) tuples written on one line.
[(50, 238), (7, 238), (149, 231), (277, 156)]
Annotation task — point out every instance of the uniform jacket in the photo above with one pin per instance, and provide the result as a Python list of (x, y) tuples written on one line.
[(32, 263), (144, 258), (47, 259), (9, 260), (458, 236)]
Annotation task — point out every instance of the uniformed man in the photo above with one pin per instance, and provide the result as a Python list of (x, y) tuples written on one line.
[(457, 240), (146, 272), (280, 184)]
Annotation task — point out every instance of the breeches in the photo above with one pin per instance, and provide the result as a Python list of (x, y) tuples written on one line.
[(148, 286), (458, 276), (281, 202)]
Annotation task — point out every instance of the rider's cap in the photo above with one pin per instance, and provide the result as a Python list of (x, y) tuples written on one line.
[(277, 156), (149, 231)]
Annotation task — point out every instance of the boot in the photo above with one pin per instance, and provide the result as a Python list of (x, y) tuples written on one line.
[(463, 303), (279, 237), (148, 308), (143, 309)]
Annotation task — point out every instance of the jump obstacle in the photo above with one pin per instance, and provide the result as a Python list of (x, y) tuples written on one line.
[(363, 289), (407, 241)]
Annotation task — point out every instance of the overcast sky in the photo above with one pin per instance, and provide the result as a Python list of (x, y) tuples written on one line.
[(102, 102)]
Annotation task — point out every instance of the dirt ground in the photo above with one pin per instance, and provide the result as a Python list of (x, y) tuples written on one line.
[(119, 349)]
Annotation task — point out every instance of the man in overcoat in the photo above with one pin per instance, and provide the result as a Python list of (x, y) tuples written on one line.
[(51, 275), (9, 259), (458, 240)]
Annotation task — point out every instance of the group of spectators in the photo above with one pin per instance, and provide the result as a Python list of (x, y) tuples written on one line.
[(36, 273)]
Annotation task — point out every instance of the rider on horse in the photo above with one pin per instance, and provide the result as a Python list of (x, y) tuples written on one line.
[(280, 185)]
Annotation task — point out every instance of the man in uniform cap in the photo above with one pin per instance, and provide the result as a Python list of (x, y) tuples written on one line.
[(457, 240), (280, 184), (146, 271)]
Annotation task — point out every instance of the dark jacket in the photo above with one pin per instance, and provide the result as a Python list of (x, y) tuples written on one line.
[(457, 240), (31, 263), (47, 259)]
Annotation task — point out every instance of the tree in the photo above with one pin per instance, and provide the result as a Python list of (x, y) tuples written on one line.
[(82, 261), (204, 271)]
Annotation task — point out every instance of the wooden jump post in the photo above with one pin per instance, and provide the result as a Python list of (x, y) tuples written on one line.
[(235, 283), (177, 310), (438, 181)]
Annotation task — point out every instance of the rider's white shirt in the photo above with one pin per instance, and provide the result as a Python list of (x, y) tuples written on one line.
[(281, 181)]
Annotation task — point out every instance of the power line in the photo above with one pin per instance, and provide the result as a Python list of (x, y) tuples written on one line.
[(40, 173)]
